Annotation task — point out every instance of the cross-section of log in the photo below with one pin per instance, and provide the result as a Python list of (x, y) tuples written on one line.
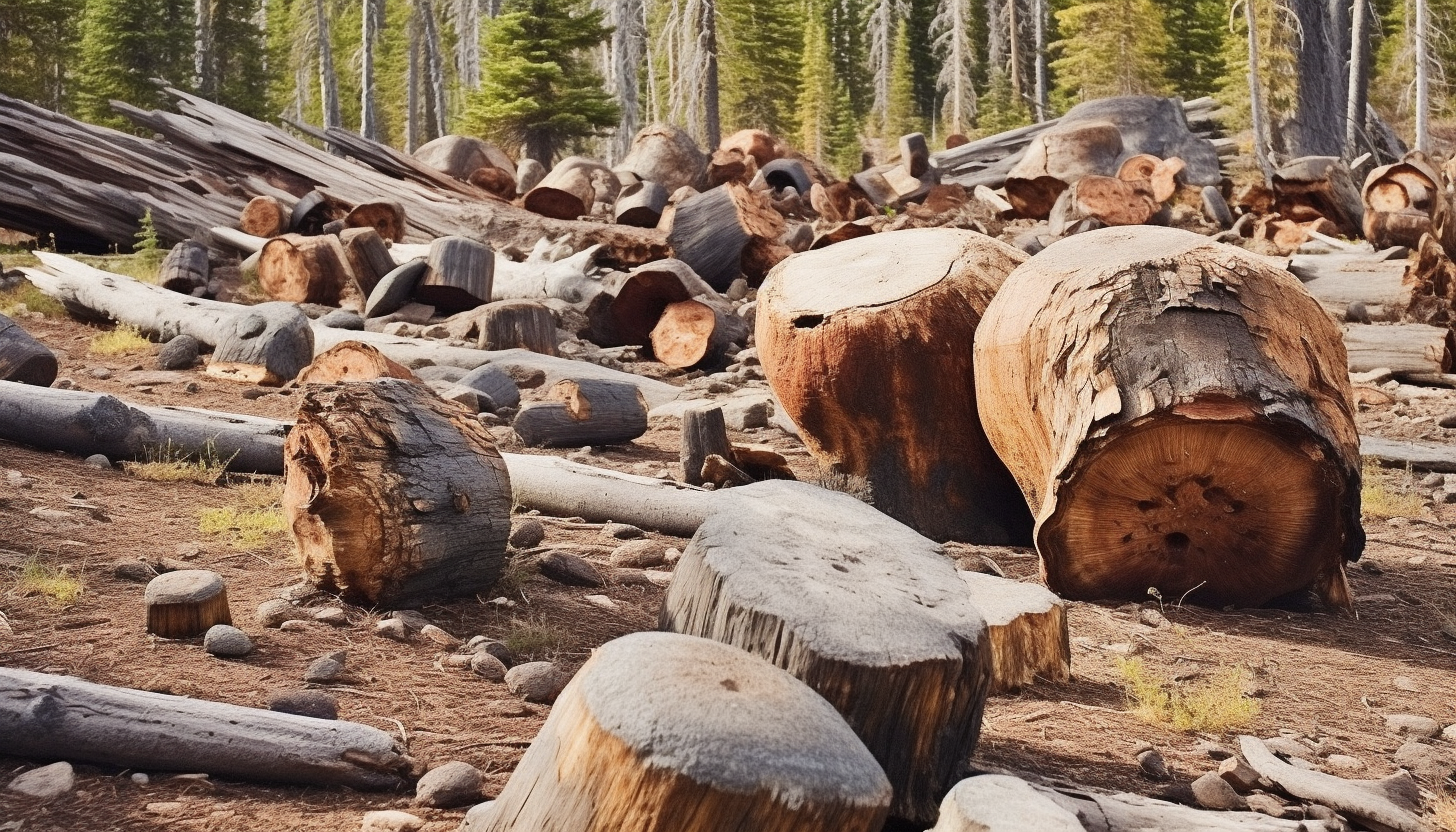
[(583, 412), (641, 205), (1027, 627), (634, 305), (457, 275), (352, 361), (867, 345), (666, 155), (1399, 202), (696, 333), (1056, 159), (1179, 416), (24, 359), (565, 194), (266, 344), (307, 270), (757, 750), (264, 216), (395, 496), (185, 603), (866, 611), (710, 230), (386, 218)]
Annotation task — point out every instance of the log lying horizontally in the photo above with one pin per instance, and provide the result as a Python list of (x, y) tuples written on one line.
[(1400, 348), (758, 750), (867, 612), (563, 488), (1178, 414), (1389, 803), (24, 359), (583, 412), (47, 717)]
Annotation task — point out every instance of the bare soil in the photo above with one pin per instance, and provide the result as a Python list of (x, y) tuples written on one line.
[(1325, 676)]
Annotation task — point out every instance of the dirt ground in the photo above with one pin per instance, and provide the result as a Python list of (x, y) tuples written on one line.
[(1328, 677)]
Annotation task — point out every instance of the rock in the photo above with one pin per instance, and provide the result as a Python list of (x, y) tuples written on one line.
[(343, 319), (226, 641), (538, 682), (450, 785), (134, 570), (255, 393), (476, 818), (315, 703), (333, 616), (392, 628), (481, 644), (621, 531), (412, 619), (747, 413), (275, 612), (569, 569), (1411, 725), (639, 554), (1268, 804), (1151, 617), (390, 820), (1405, 683), (101, 373), (46, 782), (1449, 735), (296, 625), (527, 532), (439, 636), (1427, 763), (1213, 750), (657, 578), (1001, 803), (140, 778), (1343, 764), (1152, 764), (180, 353), (98, 461), (1239, 774), (487, 667), (1213, 792), (1286, 747), (324, 670)]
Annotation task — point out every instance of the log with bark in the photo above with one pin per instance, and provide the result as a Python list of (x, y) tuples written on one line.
[(267, 344), (394, 288), (907, 664), (308, 270), (265, 216), (710, 231), (368, 257), (1178, 414), (1026, 626), (867, 346), (24, 359), (567, 191), (494, 181), (704, 434), (666, 155), (50, 717), (697, 333), (583, 412), (395, 497), (509, 324), (458, 275), (1314, 187), (758, 750), (185, 268), (1399, 201), (352, 361), (386, 218)]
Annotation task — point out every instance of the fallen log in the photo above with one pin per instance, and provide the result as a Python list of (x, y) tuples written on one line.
[(1178, 415), (866, 344), (386, 218), (665, 155), (514, 324), (711, 230), (909, 665), (1400, 453), (1107, 199), (697, 333), (267, 344), (626, 313), (265, 216), (1125, 812), (1390, 803), (395, 497), (368, 257), (999, 803), (47, 717), (583, 412), (562, 488), (308, 270), (758, 751), (1400, 348), (1026, 626), (566, 193), (1314, 187), (24, 359), (460, 156)]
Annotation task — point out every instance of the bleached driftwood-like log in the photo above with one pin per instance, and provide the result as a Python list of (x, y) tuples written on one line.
[(758, 750), (1100, 811), (395, 496), (1390, 803), (1400, 348), (563, 488), (907, 663), (1027, 628), (1000, 803), (24, 359), (265, 344), (583, 412), (48, 717), (1178, 414), (516, 324), (866, 345), (1420, 456)]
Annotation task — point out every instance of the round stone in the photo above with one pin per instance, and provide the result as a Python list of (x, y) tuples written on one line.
[(226, 641)]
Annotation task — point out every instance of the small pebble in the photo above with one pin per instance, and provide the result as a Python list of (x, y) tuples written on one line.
[(481, 644), (1405, 683), (46, 782), (180, 353), (101, 373), (226, 641), (601, 601), (334, 616), (1344, 764), (295, 626), (527, 532), (140, 779), (639, 554), (1213, 792), (439, 636), (412, 619), (621, 531), (539, 682), (323, 671), (487, 667), (390, 820), (1151, 617), (1411, 725), (392, 628)]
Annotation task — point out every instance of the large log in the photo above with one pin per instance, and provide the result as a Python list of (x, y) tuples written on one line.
[(460, 156), (1124, 812), (265, 216), (1178, 414), (1400, 348), (24, 359), (667, 156), (757, 751), (48, 717), (395, 497), (583, 412), (641, 205), (867, 346), (697, 333), (266, 344), (566, 193), (1312, 187), (308, 270), (631, 307), (458, 274), (1390, 803), (781, 570), (710, 231)]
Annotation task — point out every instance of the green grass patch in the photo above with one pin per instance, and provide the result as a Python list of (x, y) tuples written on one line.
[(145, 266), (124, 340), (1387, 493), (253, 521), (1217, 705), (55, 583)]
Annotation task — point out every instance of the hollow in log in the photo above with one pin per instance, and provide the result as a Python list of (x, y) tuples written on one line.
[(1314, 187), (583, 412), (1399, 202), (24, 359), (185, 603), (266, 344)]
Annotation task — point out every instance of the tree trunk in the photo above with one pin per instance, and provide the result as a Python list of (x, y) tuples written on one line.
[(583, 412), (328, 80), (1256, 97), (562, 488), (368, 257), (1126, 812), (204, 76), (352, 361), (1400, 348), (641, 205), (1322, 51), (758, 751), (909, 668), (866, 344), (265, 216), (457, 276), (460, 156), (373, 13), (1423, 77), (435, 71), (48, 717), (1026, 626), (185, 268), (1357, 94), (710, 230), (712, 129), (704, 434), (308, 270), (267, 344), (396, 498), (512, 324), (185, 603), (697, 333), (1178, 415), (24, 359)]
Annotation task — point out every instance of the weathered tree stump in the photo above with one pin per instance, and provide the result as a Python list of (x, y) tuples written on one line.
[(509, 324), (185, 268), (395, 496), (1027, 628), (1059, 157), (368, 257), (264, 216), (307, 270), (641, 205), (267, 344), (583, 412), (352, 361), (1315, 187), (1399, 202), (666, 155), (1178, 415), (185, 603), (24, 359), (758, 750), (494, 382), (866, 344), (565, 194), (457, 275), (386, 218), (633, 306), (867, 612), (704, 434), (696, 333), (710, 230)]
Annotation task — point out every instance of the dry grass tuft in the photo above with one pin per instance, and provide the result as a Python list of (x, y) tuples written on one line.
[(171, 464), (254, 520), (531, 641), (56, 583), (1444, 812), (123, 340), (145, 265), (1216, 706), (1385, 493), (24, 297)]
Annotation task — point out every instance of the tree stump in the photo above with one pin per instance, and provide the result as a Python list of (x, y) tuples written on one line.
[(267, 344), (368, 257), (1027, 628), (709, 231), (867, 346), (641, 205), (583, 412), (509, 324), (386, 218), (264, 216), (564, 194), (868, 613), (704, 434), (1057, 158), (352, 361), (1178, 415), (696, 333), (666, 155), (457, 275), (307, 270), (396, 497), (24, 359), (185, 268), (636, 303), (1315, 187), (185, 603), (914, 154), (757, 751)]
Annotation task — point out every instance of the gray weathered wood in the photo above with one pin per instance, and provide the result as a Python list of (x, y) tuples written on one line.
[(1026, 625), (24, 359), (1100, 811), (48, 717), (1400, 453), (1381, 804), (368, 257), (641, 205), (265, 344), (1400, 348), (184, 269), (457, 275), (493, 382), (583, 412), (393, 290), (865, 610), (1001, 803), (563, 488), (512, 324), (703, 434)]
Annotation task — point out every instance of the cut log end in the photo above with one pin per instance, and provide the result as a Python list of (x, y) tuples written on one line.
[(185, 603)]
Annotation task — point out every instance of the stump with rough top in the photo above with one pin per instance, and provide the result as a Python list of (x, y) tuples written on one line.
[(185, 603)]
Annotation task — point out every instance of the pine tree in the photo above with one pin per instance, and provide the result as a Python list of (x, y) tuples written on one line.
[(759, 42), (903, 116), (1000, 108), (125, 44), (1194, 61), (815, 101), (1111, 47), (237, 57), (40, 39), (880, 31), (953, 42), (536, 87)]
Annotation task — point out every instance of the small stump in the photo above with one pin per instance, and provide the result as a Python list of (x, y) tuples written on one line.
[(186, 603)]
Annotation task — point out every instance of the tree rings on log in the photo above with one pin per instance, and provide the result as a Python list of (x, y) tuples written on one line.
[(458, 275), (1178, 414), (696, 333), (867, 612), (24, 359), (641, 296), (307, 270), (185, 603), (386, 218), (1027, 627), (352, 361), (395, 497), (267, 344), (264, 216), (867, 346), (583, 412), (758, 750)]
